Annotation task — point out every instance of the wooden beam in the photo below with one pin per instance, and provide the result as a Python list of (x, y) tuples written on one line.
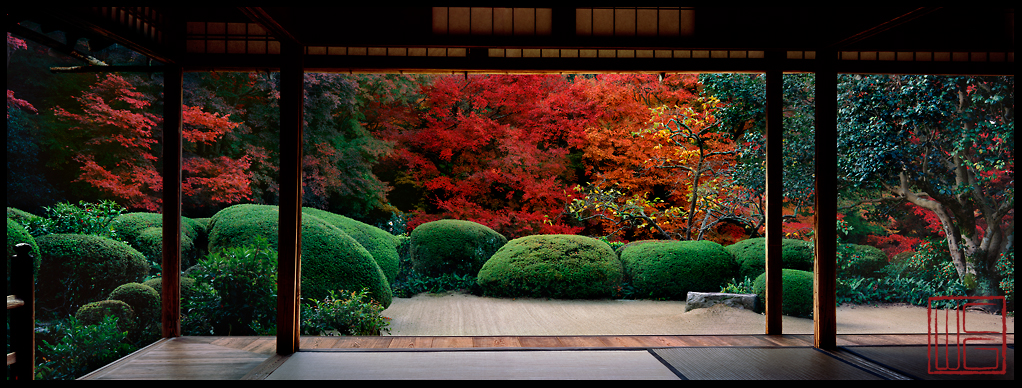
[(825, 263), (172, 153), (289, 269), (774, 198)]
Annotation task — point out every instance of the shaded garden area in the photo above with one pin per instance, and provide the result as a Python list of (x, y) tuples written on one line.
[(626, 186)]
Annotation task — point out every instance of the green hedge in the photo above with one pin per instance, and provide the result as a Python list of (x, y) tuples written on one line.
[(379, 243), (751, 255), (77, 269), (797, 291), (16, 234), (143, 299), (331, 259), (552, 266), (452, 247), (671, 269)]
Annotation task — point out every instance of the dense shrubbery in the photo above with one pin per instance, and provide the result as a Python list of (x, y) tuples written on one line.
[(357, 314), (552, 266), (144, 301), (94, 313), (75, 348), (144, 232), (452, 247), (797, 288), (331, 259), (16, 234), (77, 269), (237, 291), (855, 260), (669, 270), (84, 218), (751, 255)]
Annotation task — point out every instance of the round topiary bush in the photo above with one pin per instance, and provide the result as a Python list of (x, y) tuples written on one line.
[(552, 266), (797, 291), (751, 255), (144, 301), (16, 234), (860, 261), (331, 259), (453, 247), (78, 268), (93, 313), (671, 269), (379, 243), (144, 232)]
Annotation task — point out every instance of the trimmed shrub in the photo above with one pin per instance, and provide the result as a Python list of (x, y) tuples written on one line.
[(144, 232), (671, 269), (331, 259), (93, 313), (17, 234), (751, 255), (855, 260), (453, 247), (379, 243), (20, 216), (797, 289), (144, 301), (552, 266), (77, 269)]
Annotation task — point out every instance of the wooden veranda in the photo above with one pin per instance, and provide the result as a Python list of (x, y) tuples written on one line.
[(825, 40)]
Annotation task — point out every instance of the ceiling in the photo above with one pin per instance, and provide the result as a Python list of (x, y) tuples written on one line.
[(968, 39)]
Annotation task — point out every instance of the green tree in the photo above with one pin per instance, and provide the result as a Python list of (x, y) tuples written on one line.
[(944, 144)]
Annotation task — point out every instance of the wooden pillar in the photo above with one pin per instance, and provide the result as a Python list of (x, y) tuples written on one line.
[(774, 198), (825, 264), (171, 283), (21, 318), (289, 269)]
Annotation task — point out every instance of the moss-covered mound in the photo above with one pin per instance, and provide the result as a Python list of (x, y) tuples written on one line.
[(751, 255), (16, 234), (452, 247), (331, 259), (379, 243), (144, 232), (671, 269), (143, 299), (860, 261), (78, 268), (797, 291), (552, 266), (93, 313)]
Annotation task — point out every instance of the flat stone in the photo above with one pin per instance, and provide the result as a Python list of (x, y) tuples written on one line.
[(696, 300)]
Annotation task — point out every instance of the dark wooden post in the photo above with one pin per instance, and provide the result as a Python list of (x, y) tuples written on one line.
[(22, 316), (171, 283), (825, 264), (289, 269), (774, 196)]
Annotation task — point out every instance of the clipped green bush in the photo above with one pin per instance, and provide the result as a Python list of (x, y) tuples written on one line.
[(20, 216), (17, 234), (855, 260), (93, 313), (671, 269), (77, 269), (452, 247), (143, 299), (552, 266), (797, 291), (144, 232), (379, 243), (751, 255), (331, 259)]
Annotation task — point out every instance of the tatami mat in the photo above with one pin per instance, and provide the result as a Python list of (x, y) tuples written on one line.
[(760, 363), (912, 361), (475, 365)]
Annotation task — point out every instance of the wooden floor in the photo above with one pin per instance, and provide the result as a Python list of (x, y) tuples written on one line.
[(236, 358)]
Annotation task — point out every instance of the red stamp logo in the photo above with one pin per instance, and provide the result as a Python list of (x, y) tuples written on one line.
[(953, 347)]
